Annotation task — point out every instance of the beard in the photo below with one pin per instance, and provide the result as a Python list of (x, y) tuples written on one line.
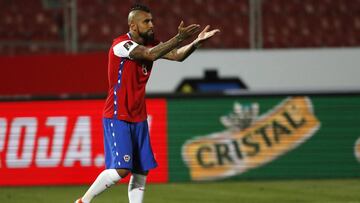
[(148, 36)]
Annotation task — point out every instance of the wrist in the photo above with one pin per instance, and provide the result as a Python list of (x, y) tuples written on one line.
[(179, 38), (196, 44)]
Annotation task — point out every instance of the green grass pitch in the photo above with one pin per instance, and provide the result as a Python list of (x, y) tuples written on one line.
[(280, 191)]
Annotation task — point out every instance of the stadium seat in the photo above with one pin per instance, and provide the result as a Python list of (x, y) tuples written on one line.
[(285, 24), (310, 23)]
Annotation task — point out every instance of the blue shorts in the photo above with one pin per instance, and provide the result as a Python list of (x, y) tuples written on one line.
[(127, 145)]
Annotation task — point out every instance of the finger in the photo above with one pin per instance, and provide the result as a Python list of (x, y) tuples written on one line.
[(196, 27), (181, 24), (210, 34), (194, 30), (213, 32), (206, 29), (216, 30), (192, 26)]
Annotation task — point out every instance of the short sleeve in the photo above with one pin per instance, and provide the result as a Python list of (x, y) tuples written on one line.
[(124, 48)]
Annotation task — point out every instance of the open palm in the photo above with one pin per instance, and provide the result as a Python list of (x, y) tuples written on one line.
[(206, 34)]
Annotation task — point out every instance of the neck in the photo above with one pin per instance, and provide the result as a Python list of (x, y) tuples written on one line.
[(136, 38)]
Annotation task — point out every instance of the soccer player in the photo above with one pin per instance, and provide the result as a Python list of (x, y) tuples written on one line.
[(126, 133)]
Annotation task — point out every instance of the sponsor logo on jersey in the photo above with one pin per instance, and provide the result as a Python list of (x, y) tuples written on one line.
[(250, 140)]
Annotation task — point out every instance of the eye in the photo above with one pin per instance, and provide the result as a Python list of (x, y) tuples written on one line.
[(147, 21)]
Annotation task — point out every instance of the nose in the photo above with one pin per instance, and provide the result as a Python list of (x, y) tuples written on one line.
[(151, 24)]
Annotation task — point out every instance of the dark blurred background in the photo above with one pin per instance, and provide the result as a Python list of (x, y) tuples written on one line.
[(57, 26)]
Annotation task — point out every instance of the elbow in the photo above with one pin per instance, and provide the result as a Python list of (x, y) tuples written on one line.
[(180, 59), (152, 58), (144, 55)]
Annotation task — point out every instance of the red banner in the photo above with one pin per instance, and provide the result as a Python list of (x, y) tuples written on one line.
[(61, 142), (54, 74)]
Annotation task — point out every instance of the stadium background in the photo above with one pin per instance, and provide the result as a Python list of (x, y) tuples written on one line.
[(298, 118)]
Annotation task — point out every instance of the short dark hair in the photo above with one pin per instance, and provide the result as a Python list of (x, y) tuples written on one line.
[(140, 7)]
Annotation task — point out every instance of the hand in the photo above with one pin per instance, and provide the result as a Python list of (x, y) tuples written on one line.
[(205, 35), (186, 32)]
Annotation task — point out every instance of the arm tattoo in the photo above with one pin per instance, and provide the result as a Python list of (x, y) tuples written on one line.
[(164, 48), (141, 52)]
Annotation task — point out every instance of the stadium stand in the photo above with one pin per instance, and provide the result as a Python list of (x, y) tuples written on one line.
[(26, 27), (231, 16), (310, 23), (32, 27)]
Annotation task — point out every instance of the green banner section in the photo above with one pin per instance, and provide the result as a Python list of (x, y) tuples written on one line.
[(264, 137)]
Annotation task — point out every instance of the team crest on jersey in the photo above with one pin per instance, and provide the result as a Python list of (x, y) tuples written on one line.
[(127, 158), (127, 45)]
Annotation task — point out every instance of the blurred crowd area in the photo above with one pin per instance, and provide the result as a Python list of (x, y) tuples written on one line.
[(38, 26)]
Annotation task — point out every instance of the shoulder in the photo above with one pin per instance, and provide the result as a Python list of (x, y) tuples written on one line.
[(121, 38), (123, 45)]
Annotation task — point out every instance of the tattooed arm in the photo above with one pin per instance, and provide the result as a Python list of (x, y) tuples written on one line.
[(144, 53)]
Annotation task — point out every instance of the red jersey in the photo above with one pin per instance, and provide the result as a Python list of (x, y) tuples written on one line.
[(127, 81)]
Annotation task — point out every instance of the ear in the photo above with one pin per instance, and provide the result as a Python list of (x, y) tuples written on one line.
[(133, 27)]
